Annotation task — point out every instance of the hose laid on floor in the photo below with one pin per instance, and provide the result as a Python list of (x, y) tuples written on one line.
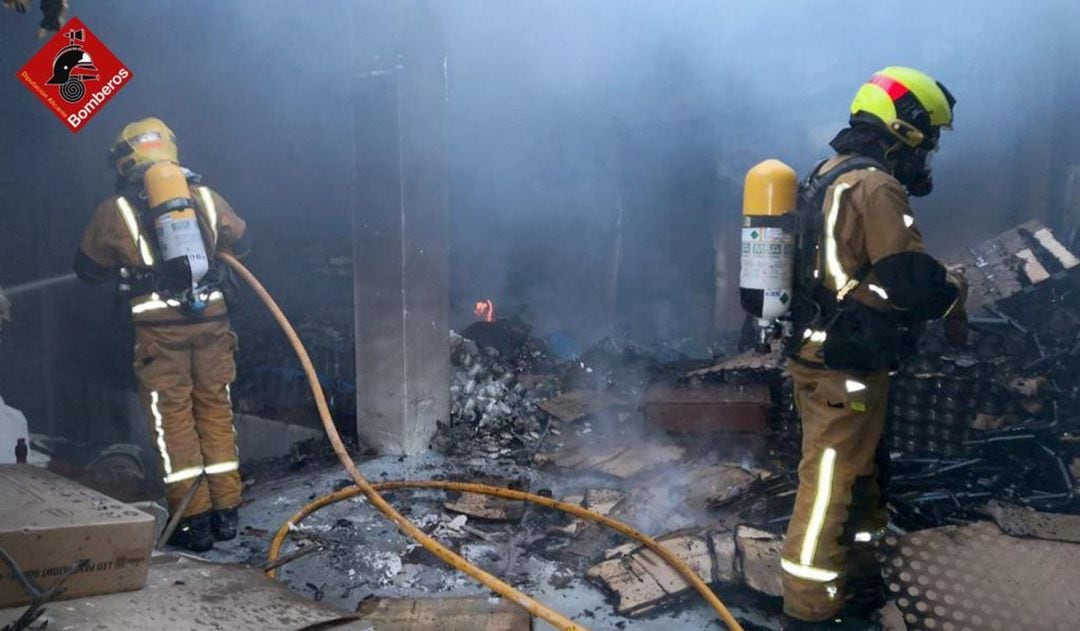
[(454, 560), (482, 489)]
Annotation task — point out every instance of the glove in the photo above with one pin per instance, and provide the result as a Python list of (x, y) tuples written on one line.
[(956, 324), (18, 5)]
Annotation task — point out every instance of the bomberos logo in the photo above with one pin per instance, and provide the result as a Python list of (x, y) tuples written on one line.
[(74, 75)]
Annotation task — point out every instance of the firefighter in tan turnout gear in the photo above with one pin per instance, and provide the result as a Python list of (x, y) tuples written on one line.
[(157, 237), (870, 286)]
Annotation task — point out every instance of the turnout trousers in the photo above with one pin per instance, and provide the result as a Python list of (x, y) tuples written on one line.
[(839, 508), (184, 372)]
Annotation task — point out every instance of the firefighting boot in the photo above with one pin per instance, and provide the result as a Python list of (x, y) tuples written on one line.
[(865, 587), (193, 533), (224, 524)]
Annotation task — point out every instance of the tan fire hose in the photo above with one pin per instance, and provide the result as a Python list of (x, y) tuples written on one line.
[(372, 493)]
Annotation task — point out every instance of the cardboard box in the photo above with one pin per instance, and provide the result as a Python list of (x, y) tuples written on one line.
[(48, 522)]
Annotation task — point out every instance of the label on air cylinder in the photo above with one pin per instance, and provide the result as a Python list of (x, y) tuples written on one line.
[(767, 259), (179, 235)]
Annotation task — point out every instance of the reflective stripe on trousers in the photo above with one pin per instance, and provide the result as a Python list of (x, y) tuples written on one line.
[(172, 477), (194, 472), (805, 567), (159, 428)]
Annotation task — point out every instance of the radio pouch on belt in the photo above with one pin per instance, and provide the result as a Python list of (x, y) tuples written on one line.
[(859, 338)]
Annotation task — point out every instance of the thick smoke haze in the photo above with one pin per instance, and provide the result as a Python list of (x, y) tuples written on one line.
[(596, 149), (568, 116)]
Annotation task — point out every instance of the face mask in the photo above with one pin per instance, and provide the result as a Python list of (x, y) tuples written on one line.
[(913, 171)]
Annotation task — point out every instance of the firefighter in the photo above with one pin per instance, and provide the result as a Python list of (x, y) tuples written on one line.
[(872, 287), (184, 345)]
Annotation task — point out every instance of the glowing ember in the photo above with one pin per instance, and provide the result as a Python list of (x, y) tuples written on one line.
[(485, 310)]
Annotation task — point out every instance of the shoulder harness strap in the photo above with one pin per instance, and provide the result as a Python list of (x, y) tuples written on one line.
[(209, 213)]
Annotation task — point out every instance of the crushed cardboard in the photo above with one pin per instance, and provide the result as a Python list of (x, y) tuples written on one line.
[(758, 560), (486, 507), (601, 501), (444, 614), (643, 583)]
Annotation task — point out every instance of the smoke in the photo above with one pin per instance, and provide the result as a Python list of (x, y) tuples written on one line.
[(5, 309), (596, 149)]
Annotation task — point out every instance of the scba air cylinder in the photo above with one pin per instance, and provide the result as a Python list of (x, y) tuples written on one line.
[(766, 270), (176, 223)]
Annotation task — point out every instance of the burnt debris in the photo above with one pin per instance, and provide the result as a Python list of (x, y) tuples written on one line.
[(491, 413), (998, 420)]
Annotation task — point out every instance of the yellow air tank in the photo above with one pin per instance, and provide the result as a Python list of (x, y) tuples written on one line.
[(175, 221), (766, 271)]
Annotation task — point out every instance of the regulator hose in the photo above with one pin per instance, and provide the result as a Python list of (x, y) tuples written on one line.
[(456, 561)]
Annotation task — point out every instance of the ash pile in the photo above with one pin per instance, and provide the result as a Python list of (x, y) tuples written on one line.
[(492, 414), (510, 395)]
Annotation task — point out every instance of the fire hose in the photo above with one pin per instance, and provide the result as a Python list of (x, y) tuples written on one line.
[(370, 491)]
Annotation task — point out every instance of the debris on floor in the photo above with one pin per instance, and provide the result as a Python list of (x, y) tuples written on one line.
[(621, 461), (642, 583), (444, 614), (707, 455), (757, 555), (600, 501), (1021, 521), (486, 507), (490, 412)]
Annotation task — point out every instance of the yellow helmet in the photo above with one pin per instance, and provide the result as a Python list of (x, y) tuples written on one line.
[(141, 144), (909, 104)]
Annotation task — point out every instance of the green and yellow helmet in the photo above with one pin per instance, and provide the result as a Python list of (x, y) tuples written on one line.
[(909, 104), (143, 143)]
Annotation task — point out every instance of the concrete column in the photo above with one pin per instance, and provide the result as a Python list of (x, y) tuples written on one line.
[(401, 276)]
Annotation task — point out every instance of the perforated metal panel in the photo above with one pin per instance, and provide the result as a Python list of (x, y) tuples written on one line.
[(975, 578)]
